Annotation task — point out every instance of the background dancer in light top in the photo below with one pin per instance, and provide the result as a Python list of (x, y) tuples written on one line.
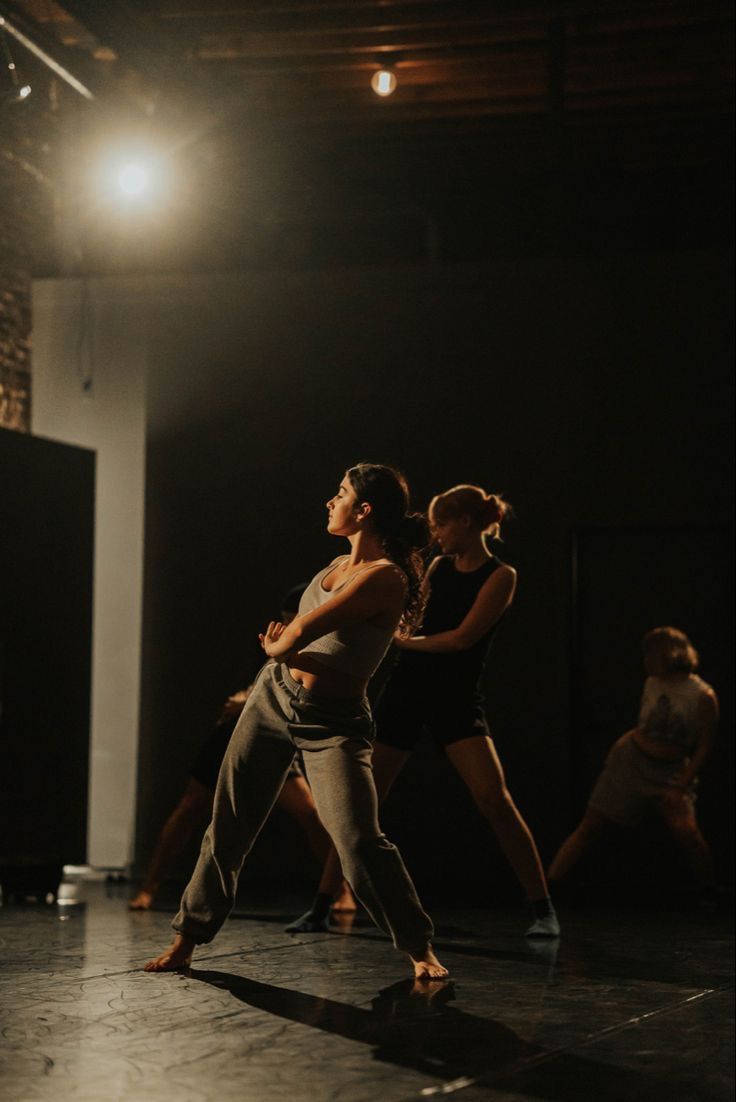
[(655, 766)]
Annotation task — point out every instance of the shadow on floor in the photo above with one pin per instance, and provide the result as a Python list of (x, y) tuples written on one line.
[(578, 957), (414, 1025), (587, 958)]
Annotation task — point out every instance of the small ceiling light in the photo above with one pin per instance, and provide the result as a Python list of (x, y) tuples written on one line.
[(16, 95), (383, 82), (133, 179)]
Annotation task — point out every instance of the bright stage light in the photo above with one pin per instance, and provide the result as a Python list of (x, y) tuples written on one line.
[(383, 82), (134, 179), (24, 92)]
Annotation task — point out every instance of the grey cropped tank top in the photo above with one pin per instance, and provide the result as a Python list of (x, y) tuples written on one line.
[(356, 649)]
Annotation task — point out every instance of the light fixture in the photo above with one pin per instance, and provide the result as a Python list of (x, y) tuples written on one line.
[(15, 95), (134, 177), (18, 92), (383, 82)]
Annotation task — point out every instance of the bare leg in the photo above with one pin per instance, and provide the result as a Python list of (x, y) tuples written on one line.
[(679, 815), (477, 763), (193, 810), (591, 828)]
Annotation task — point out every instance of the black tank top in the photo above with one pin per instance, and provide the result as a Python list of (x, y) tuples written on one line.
[(452, 595)]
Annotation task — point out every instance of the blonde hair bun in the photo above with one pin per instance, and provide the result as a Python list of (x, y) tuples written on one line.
[(486, 511)]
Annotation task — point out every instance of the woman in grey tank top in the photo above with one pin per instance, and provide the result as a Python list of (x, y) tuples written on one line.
[(312, 697)]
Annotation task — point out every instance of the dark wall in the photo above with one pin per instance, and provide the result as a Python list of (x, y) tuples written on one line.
[(592, 392), (46, 548)]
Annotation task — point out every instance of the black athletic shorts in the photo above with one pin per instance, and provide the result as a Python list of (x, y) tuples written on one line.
[(206, 766), (409, 707)]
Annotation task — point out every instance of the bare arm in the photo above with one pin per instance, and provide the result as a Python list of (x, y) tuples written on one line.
[(494, 597), (377, 594), (708, 722)]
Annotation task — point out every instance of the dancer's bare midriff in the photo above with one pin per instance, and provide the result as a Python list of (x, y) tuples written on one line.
[(322, 680)]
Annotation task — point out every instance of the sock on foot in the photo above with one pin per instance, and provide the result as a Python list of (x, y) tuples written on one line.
[(316, 919), (543, 907), (546, 923)]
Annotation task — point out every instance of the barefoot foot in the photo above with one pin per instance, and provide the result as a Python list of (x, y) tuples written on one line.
[(426, 965), (141, 902), (178, 955)]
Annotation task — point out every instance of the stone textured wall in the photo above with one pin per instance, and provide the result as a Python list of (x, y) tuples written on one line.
[(27, 198)]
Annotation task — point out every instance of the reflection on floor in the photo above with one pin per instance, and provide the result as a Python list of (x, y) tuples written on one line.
[(629, 1005)]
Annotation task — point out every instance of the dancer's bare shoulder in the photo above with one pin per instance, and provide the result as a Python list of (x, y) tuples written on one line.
[(383, 577)]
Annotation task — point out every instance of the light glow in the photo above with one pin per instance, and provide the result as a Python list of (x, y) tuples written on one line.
[(134, 179), (383, 82)]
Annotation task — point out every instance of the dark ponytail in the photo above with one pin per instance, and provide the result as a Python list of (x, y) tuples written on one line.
[(403, 533)]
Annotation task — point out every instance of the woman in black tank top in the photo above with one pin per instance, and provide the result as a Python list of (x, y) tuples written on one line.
[(435, 685)]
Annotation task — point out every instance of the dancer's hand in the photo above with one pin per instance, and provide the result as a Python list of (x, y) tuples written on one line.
[(270, 641)]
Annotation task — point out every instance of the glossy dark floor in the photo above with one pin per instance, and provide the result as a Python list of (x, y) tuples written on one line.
[(630, 1005)]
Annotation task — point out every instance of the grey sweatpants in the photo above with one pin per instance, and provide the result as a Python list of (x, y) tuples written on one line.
[(334, 736)]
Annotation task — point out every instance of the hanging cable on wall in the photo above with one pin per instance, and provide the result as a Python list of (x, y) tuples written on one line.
[(86, 341)]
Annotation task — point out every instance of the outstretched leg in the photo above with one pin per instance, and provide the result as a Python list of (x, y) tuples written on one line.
[(478, 764), (342, 784), (192, 811), (387, 763), (677, 810), (587, 834), (253, 771)]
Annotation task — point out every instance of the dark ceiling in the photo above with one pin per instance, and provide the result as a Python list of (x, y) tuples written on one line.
[(514, 127)]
